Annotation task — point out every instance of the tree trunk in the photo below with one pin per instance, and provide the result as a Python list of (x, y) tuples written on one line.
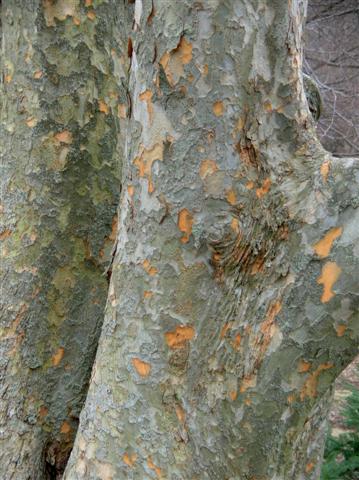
[(233, 300), (232, 304), (60, 188)]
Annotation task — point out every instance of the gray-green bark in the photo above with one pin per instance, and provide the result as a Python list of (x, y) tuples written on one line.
[(60, 181), (233, 300)]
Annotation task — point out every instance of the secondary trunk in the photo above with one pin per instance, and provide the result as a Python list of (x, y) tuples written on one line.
[(60, 183), (233, 300)]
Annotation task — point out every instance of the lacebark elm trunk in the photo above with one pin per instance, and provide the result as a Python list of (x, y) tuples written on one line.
[(60, 189), (233, 300)]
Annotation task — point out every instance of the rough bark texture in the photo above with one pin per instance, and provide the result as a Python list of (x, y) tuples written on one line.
[(61, 109), (233, 300)]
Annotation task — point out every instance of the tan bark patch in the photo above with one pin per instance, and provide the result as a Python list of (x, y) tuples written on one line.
[(58, 356), (208, 167), (218, 108), (130, 190), (330, 274), (43, 411), (235, 225), (59, 10), (181, 414), (154, 467), (91, 15), (129, 460), (105, 471), (142, 368), (185, 222), (145, 161), (173, 62), (122, 110), (324, 170), (64, 137), (146, 96), (340, 329), (310, 386), (31, 122), (179, 336), (38, 74), (323, 247)]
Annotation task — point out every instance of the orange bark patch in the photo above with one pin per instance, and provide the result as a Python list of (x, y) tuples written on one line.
[(131, 190), (103, 107), (174, 61), (225, 329), (64, 137), (324, 170), (231, 197), (145, 161), (208, 167), (233, 395), (264, 189), (146, 96), (249, 381), (76, 21), (267, 325), (38, 74), (129, 460), (340, 329), (179, 336), (250, 185), (152, 466), (147, 294), (311, 384), (303, 366), (237, 341), (65, 427), (58, 356), (323, 247), (218, 108), (142, 368), (148, 268), (330, 274), (185, 222), (5, 234), (309, 467)]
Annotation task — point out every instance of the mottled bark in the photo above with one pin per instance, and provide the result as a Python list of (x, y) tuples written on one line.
[(62, 105), (233, 300)]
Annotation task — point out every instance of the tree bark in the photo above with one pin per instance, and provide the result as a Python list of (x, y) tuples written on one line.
[(233, 301), (62, 105)]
